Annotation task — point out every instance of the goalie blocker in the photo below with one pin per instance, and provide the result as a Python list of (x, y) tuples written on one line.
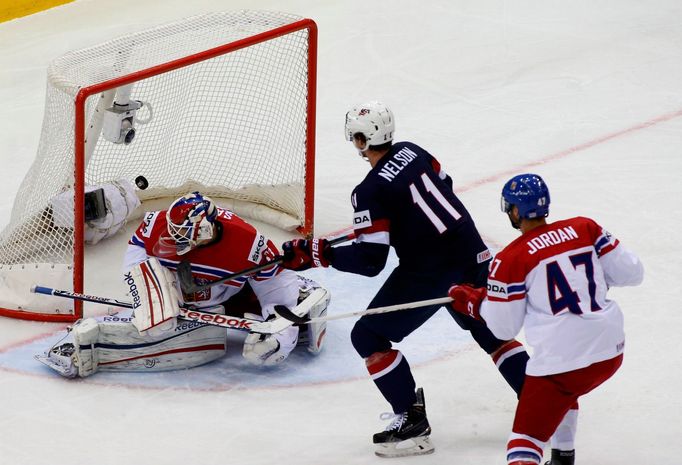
[(155, 296), (113, 343)]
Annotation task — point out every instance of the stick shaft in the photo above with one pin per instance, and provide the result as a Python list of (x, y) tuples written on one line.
[(81, 297), (187, 281), (387, 309), (214, 319)]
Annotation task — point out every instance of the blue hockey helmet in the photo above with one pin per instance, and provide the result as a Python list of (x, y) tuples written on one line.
[(190, 221), (529, 193)]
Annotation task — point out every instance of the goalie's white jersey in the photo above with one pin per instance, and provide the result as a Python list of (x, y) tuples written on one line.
[(239, 247), (553, 281)]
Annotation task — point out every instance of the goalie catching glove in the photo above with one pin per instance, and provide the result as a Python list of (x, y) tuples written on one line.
[(272, 349), (467, 300), (302, 254), (269, 349)]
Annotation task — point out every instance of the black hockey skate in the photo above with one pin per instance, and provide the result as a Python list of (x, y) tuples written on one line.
[(562, 457), (408, 433)]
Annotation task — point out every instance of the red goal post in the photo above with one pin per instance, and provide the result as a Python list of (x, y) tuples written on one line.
[(227, 107)]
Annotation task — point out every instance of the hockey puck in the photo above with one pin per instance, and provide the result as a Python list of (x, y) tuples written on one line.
[(141, 182)]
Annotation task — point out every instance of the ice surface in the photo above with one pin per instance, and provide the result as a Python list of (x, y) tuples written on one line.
[(585, 93)]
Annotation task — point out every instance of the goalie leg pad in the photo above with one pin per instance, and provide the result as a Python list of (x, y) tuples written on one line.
[(188, 345), (60, 359), (112, 343), (67, 358), (312, 335)]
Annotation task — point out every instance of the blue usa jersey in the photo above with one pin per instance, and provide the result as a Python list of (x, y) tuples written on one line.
[(406, 201)]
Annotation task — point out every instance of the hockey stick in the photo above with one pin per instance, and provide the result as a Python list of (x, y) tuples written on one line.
[(284, 312), (188, 285), (214, 319)]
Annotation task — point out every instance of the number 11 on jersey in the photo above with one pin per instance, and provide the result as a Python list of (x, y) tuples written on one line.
[(436, 194)]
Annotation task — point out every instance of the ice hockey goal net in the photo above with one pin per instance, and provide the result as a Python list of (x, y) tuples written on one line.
[(229, 105)]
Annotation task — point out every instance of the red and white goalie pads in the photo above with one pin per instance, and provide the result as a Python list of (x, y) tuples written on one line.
[(154, 292), (112, 343)]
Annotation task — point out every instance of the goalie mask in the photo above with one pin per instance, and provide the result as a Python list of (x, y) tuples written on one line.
[(373, 120), (190, 221)]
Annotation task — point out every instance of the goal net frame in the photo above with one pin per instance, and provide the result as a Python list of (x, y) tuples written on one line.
[(74, 310)]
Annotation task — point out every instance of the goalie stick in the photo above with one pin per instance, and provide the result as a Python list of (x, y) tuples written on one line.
[(188, 285), (214, 319), (284, 312)]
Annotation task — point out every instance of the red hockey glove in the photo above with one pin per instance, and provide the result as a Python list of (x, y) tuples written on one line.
[(467, 300), (301, 254)]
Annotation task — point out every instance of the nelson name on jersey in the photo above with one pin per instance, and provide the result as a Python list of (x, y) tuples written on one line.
[(550, 238), (397, 163)]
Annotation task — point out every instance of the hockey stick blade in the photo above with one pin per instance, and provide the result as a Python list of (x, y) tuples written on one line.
[(188, 285), (287, 314)]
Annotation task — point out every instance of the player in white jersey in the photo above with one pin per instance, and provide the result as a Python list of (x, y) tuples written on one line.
[(553, 281), (216, 243)]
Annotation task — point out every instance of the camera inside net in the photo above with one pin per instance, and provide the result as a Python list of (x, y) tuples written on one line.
[(119, 122)]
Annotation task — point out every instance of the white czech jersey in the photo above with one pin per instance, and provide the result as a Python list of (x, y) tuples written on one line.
[(240, 247), (553, 281)]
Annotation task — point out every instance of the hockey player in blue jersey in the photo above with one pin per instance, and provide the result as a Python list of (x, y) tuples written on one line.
[(406, 201)]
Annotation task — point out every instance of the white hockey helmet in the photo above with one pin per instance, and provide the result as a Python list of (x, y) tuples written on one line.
[(373, 120), (190, 221)]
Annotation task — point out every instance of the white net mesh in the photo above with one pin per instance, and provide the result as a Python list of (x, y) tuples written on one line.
[(232, 126)]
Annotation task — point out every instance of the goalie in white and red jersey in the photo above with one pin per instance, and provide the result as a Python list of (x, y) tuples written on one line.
[(216, 243), (553, 281)]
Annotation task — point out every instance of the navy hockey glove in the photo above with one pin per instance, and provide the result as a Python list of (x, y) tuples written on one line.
[(467, 300), (302, 254)]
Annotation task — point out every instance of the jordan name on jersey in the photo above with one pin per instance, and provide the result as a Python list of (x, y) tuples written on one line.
[(550, 238)]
